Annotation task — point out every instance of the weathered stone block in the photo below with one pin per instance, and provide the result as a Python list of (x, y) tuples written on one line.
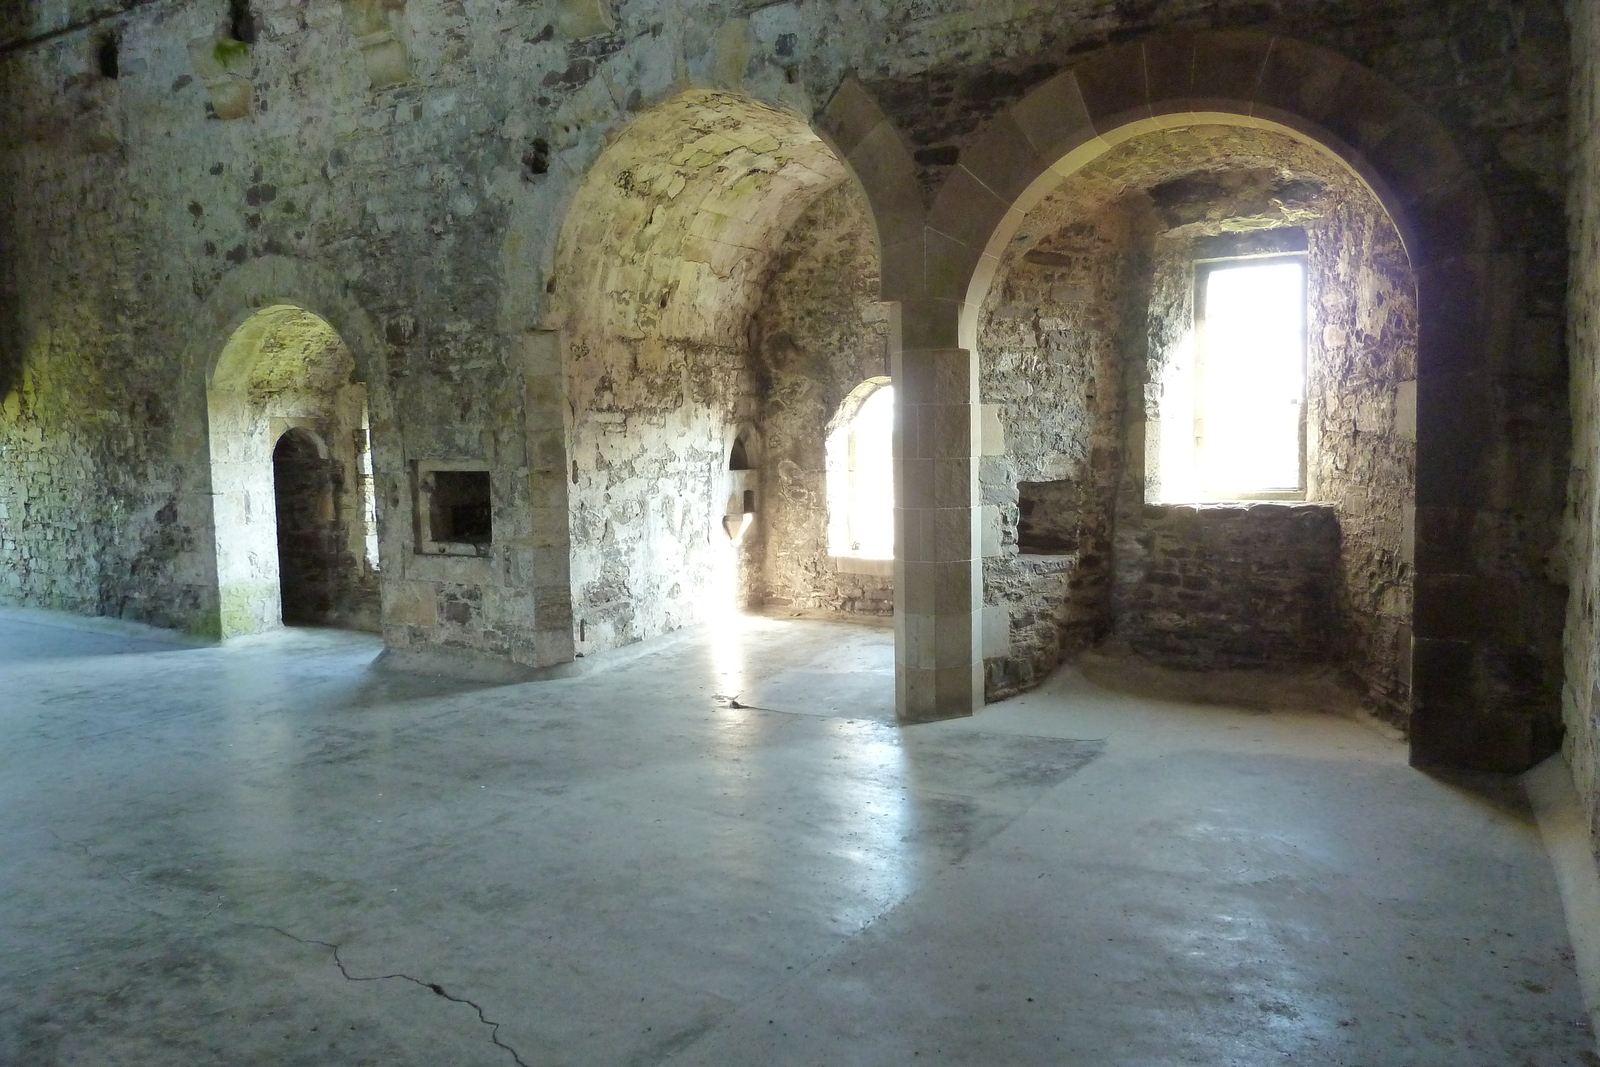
[(224, 66)]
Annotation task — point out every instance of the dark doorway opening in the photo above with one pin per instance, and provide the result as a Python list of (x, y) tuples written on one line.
[(308, 541)]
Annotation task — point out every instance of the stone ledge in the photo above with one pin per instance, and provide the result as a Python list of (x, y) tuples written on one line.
[(879, 568)]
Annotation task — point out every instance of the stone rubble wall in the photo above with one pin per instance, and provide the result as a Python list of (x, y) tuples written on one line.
[(1360, 386), (665, 263), (1232, 586), (1581, 693), (1051, 364), (1361, 398), (820, 332)]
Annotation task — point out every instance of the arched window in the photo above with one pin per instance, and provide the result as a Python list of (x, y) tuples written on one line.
[(860, 470)]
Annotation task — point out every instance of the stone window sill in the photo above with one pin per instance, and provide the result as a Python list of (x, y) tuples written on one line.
[(881, 568)]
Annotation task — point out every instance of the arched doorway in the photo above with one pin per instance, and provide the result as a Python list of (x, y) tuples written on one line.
[(308, 549), (291, 475)]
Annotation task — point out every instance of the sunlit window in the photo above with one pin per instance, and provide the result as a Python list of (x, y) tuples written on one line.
[(860, 474), (369, 491), (1244, 380)]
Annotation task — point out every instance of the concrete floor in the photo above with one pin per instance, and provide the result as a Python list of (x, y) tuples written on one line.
[(721, 852)]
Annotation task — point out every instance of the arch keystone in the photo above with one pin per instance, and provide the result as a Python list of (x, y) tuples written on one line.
[(1169, 61), (1004, 160)]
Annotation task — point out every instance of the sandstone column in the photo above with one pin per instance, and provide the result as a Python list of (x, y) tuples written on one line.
[(938, 582)]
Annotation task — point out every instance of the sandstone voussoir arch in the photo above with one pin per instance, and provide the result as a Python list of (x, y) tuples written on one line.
[(1464, 268)]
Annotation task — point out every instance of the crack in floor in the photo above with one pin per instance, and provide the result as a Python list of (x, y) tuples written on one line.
[(79, 845), (433, 987)]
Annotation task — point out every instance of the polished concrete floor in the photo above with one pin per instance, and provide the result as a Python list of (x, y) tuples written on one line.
[(723, 852)]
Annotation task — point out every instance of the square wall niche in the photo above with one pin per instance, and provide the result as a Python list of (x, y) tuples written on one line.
[(1049, 517), (455, 509)]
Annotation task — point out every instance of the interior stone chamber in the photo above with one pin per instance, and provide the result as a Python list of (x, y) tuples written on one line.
[(574, 307)]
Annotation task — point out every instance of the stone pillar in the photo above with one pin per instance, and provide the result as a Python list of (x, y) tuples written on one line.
[(938, 579), (938, 576), (1485, 677), (544, 398)]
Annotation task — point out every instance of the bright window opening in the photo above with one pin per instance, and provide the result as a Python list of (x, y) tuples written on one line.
[(369, 491), (1244, 380), (860, 474)]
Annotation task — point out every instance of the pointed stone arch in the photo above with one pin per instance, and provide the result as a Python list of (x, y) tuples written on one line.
[(878, 161), (1399, 150)]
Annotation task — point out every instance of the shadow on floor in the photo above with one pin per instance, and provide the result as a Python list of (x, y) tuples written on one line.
[(1502, 793), (29, 636)]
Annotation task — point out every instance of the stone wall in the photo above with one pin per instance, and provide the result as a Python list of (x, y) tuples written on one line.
[(820, 332), (1581, 694), (96, 516), (143, 220), (1276, 195), (1231, 586), (672, 245), (1049, 348), (1361, 395)]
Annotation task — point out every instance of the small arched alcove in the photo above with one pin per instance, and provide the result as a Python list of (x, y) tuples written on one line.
[(290, 444), (741, 514), (744, 480)]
